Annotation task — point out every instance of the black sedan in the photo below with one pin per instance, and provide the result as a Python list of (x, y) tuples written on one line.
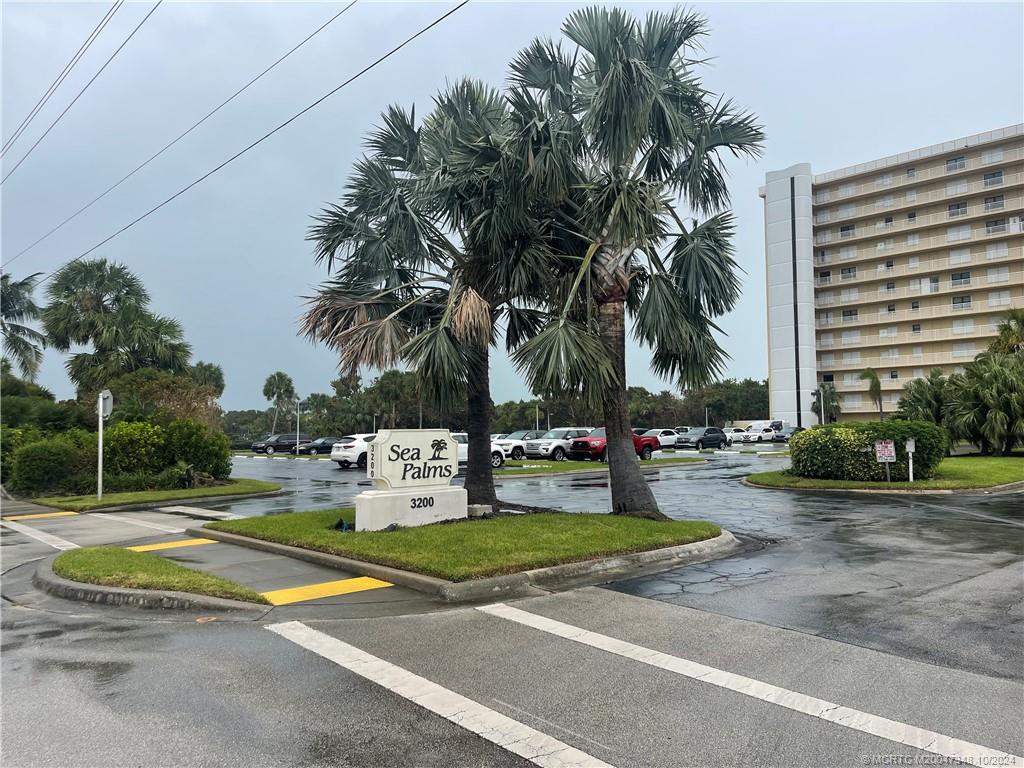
[(783, 435), (703, 437), (320, 445), (279, 443)]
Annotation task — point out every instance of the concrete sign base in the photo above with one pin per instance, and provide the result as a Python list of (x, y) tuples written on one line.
[(378, 509)]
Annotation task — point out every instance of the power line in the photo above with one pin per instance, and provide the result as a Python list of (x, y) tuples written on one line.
[(181, 136), (266, 136), (84, 89), (63, 74)]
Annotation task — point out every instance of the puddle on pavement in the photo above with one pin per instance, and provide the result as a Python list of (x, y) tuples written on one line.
[(102, 672)]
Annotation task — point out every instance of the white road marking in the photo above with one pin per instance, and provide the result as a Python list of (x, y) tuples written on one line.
[(141, 523), (41, 536), (571, 732), (901, 733), (509, 734)]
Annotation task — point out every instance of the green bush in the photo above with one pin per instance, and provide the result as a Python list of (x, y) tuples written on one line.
[(195, 444), (131, 447), (43, 465), (11, 439), (845, 451)]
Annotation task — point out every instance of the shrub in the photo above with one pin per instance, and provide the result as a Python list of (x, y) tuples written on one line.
[(43, 465), (11, 439), (135, 446), (846, 451), (195, 444)]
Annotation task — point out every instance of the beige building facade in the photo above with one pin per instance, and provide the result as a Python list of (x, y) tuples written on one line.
[(901, 264)]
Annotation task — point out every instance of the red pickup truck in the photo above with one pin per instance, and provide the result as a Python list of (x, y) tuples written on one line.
[(595, 446)]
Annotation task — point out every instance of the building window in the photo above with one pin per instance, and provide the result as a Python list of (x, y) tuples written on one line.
[(995, 226), (914, 261), (913, 238), (959, 255), (851, 379), (919, 373), (847, 189), (960, 279), (912, 217), (957, 209), (888, 332), (849, 315), (847, 295), (911, 172), (826, 339), (963, 349), (884, 180), (825, 297), (915, 328), (848, 273), (847, 252), (890, 287), (851, 357), (894, 374), (828, 378), (961, 303), (890, 354), (958, 232), (999, 298), (820, 217), (993, 155), (916, 350), (890, 309), (915, 306), (847, 230), (910, 195), (993, 178), (887, 244), (824, 277), (853, 401), (956, 164), (957, 187), (996, 251), (933, 284), (994, 203), (962, 326), (846, 210), (998, 274), (822, 195), (887, 222), (884, 202)]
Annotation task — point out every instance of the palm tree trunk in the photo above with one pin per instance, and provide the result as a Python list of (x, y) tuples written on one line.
[(631, 495), (274, 428), (479, 475)]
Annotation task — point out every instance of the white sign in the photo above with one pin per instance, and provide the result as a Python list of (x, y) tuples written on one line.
[(106, 404), (911, 445), (885, 451), (411, 471), (412, 458)]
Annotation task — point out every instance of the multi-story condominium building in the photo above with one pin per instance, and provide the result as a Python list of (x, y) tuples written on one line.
[(902, 265)]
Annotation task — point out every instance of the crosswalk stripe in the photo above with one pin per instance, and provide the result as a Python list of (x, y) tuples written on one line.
[(41, 536), (323, 589), (170, 545), (39, 515)]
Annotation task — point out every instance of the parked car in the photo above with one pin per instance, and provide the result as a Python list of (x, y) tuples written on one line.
[(666, 437), (499, 435), (595, 446), (703, 437), (735, 434), (783, 435), (351, 449), (513, 445), (462, 438), (555, 443), (283, 443), (681, 430), (757, 434), (320, 445)]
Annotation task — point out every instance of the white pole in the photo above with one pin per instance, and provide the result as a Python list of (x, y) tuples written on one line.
[(705, 415), (298, 415), (910, 465), (536, 417), (99, 453)]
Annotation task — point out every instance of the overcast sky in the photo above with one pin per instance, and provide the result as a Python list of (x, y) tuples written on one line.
[(833, 84)]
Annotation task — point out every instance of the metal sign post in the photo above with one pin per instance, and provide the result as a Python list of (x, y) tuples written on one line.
[(885, 453), (911, 445), (104, 405)]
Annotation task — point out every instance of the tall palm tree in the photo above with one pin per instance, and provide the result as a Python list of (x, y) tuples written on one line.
[(433, 247), (279, 389), (22, 343), (1010, 332), (985, 403), (924, 399), (828, 405), (209, 375), (874, 388), (621, 129)]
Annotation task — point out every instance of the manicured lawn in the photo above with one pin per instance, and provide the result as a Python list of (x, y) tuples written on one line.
[(475, 548), (953, 473), (541, 466), (116, 567), (83, 503)]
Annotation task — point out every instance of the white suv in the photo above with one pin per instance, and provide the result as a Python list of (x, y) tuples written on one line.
[(514, 443), (352, 449), (555, 443), (462, 438)]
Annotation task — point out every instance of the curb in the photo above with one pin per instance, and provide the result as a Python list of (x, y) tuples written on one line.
[(144, 505), (602, 472), (898, 491), (520, 584), (49, 582)]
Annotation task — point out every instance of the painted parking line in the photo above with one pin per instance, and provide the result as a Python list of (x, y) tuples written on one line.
[(170, 545), (323, 589), (901, 733), (509, 734), (39, 515), (41, 536)]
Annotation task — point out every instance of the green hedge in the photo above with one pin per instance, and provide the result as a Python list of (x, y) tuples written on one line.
[(195, 444), (134, 446), (845, 451)]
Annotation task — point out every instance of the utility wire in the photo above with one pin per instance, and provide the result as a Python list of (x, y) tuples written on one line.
[(84, 89), (265, 136), (181, 136), (63, 74)]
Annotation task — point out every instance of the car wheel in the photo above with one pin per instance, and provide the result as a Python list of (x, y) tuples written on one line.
[(344, 464), (312, 451), (517, 453), (558, 454), (270, 450), (497, 459), (759, 438), (700, 446), (361, 463), (646, 453), (728, 443)]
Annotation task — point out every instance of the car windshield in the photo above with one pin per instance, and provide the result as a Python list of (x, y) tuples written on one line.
[(368, 438), (695, 431), (654, 432), (555, 434), (517, 435), (599, 432)]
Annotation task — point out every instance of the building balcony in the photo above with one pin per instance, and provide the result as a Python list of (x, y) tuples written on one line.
[(921, 314)]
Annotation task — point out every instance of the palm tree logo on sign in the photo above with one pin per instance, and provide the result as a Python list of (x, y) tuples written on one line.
[(439, 447)]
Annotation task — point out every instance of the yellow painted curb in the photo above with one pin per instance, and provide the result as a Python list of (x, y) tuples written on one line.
[(324, 589), (39, 515), (170, 545)]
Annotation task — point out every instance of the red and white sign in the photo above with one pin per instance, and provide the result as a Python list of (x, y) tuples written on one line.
[(885, 451)]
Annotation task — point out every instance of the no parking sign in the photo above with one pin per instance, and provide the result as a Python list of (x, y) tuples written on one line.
[(885, 451)]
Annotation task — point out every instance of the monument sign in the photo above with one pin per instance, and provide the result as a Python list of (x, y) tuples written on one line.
[(411, 471)]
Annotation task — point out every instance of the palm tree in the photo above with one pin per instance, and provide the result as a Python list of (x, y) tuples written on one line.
[(435, 245), (828, 405), (985, 403), (619, 130), (1010, 336), (924, 399), (208, 375), (279, 389), (874, 388), (22, 343)]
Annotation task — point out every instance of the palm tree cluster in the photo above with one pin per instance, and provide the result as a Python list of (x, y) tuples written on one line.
[(21, 343), (544, 213)]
